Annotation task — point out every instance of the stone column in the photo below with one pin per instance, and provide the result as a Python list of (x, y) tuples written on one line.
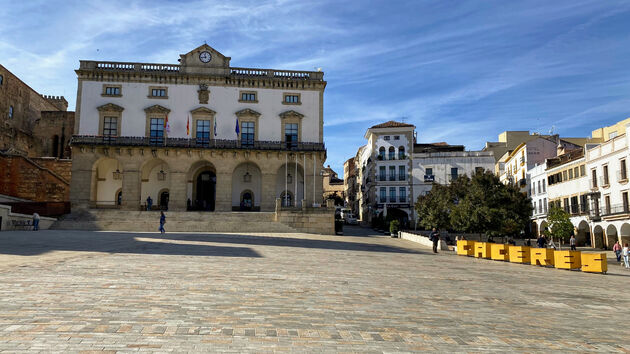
[(267, 203), (223, 198), (131, 186), (178, 191)]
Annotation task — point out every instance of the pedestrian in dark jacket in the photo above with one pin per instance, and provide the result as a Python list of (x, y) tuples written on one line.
[(435, 238), (162, 222)]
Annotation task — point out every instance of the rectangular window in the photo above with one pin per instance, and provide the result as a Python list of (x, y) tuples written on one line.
[(564, 175), (248, 97), (396, 137), (110, 127), (383, 192), (291, 134), (624, 198), (112, 91), (623, 172), (594, 181), (429, 171), (392, 173), (583, 203), (544, 186), (607, 199), (574, 205), (203, 132), (157, 131), (291, 98), (392, 194), (576, 172), (247, 133), (382, 173), (544, 205), (402, 194), (583, 170), (386, 137), (539, 189), (566, 204), (453, 173), (402, 175), (540, 210), (479, 170), (158, 92), (606, 181), (571, 174)]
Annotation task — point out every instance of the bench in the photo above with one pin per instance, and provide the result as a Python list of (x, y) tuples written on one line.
[(23, 224)]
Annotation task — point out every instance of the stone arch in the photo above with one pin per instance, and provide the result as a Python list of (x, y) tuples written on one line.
[(624, 233), (288, 180), (543, 227), (202, 182), (246, 176), (583, 234), (611, 235), (381, 153), (598, 234), (392, 153), (107, 175), (163, 198), (154, 176)]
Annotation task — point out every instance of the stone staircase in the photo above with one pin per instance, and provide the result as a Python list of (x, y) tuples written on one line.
[(176, 221)]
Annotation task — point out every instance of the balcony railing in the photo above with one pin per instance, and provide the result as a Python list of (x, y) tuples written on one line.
[(194, 143), (622, 176), (614, 210), (593, 183), (392, 177), (429, 178), (604, 181), (402, 177)]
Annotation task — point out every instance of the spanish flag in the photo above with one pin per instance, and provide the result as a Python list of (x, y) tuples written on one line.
[(188, 126)]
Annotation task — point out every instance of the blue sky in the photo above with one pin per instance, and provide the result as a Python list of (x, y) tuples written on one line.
[(461, 71)]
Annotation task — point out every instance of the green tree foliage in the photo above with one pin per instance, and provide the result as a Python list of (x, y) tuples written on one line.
[(481, 204), (560, 225)]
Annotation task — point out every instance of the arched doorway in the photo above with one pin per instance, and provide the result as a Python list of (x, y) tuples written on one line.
[(202, 184), (598, 232), (206, 184), (290, 177), (534, 229), (543, 228), (247, 201), (611, 236), (583, 236), (163, 199), (119, 197), (287, 198), (155, 178), (398, 214)]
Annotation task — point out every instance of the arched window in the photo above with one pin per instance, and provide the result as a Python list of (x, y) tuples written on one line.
[(287, 199), (164, 195), (247, 200), (401, 153), (381, 153), (392, 153)]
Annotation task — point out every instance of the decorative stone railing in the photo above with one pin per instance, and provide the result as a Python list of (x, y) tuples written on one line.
[(171, 68), (194, 143)]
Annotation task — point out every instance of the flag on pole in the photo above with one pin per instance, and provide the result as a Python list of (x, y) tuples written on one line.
[(167, 125), (237, 128), (215, 127), (188, 126)]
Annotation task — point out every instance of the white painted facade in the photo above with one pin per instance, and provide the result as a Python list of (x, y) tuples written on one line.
[(612, 219), (183, 98), (538, 193), (442, 165)]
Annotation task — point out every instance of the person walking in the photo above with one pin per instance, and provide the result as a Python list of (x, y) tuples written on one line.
[(541, 241), (617, 250), (572, 243), (162, 222), (35, 221), (435, 238), (625, 252)]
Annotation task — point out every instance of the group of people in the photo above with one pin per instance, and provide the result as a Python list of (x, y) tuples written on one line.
[(542, 242), (625, 252)]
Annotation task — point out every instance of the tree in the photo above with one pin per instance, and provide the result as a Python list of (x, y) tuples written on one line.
[(334, 196), (481, 204), (434, 208), (560, 225)]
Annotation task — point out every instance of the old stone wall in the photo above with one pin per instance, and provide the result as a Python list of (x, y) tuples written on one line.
[(52, 134), (24, 178), (21, 108), (309, 220)]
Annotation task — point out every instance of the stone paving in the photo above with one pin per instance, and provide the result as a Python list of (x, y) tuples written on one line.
[(72, 291)]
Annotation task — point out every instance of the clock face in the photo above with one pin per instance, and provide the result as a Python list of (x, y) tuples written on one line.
[(205, 56)]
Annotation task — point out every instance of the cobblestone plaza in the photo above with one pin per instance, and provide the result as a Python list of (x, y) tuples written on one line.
[(83, 291)]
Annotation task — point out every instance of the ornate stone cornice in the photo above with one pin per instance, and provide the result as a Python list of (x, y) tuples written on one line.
[(247, 112), (110, 107), (291, 114), (156, 108), (203, 110)]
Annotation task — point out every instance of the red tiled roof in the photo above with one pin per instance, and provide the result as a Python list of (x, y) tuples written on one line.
[(391, 124)]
